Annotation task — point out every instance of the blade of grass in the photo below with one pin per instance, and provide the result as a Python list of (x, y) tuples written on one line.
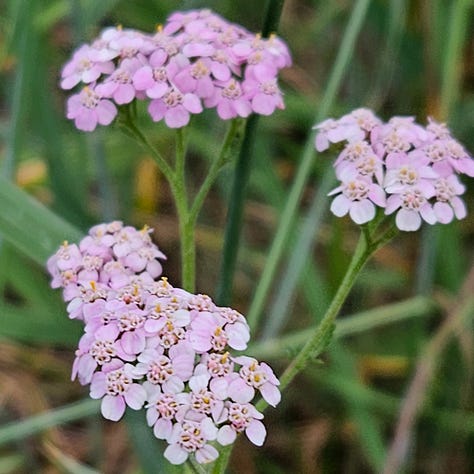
[(368, 426), (147, 448), (29, 226), (433, 238), (21, 85), (369, 320), (241, 177), (36, 326), (20, 429), (397, 10), (66, 463), (319, 204), (455, 421)]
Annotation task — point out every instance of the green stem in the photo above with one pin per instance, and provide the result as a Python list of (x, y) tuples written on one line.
[(322, 335), (180, 171), (289, 213), (216, 166), (221, 462), (132, 130), (186, 225), (188, 253)]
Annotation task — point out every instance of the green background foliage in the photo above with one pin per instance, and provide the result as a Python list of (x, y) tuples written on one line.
[(409, 313)]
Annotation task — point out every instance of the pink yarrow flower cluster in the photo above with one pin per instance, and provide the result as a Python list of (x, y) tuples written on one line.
[(148, 345), (196, 60), (399, 166)]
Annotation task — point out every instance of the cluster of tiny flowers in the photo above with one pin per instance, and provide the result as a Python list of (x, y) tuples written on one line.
[(399, 166), (147, 344), (196, 60)]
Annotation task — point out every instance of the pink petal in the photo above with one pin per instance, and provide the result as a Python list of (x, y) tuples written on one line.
[(173, 385), (198, 49), (135, 396), (206, 454), (85, 369), (256, 432), (98, 385), (192, 103), (220, 71), (262, 104), (362, 211), (428, 214), (243, 108), (205, 87), (71, 81), (377, 195), (143, 78), (163, 429), (271, 394), (175, 454), (151, 416), (321, 142), (106, 112), (133, 342), (340, 205), (177, 117), (393, 203), (158, 90), (209, 429), (112, 408), (459, 207), (444, 212), (86, 120), (154, 325), (226, 435), (224, 110), (408, 220), (240, 392), (157, 110), (124, 94)]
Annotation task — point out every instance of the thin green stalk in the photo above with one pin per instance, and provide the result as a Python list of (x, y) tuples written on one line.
[(186, 225), (180, 170), (321, 336), (188, 254), (313, 221), (367, 245), (216, 166), (241, 178), (221, 462), (131, 129)]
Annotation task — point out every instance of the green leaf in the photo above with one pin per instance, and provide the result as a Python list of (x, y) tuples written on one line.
[(35, 424), (38, 327), (29, 226)]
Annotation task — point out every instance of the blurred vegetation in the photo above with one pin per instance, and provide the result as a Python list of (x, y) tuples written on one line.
[(393, 370)]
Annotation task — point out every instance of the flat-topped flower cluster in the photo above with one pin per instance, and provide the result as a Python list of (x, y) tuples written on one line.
[(398, 166), (196, 60), (149, 345)]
